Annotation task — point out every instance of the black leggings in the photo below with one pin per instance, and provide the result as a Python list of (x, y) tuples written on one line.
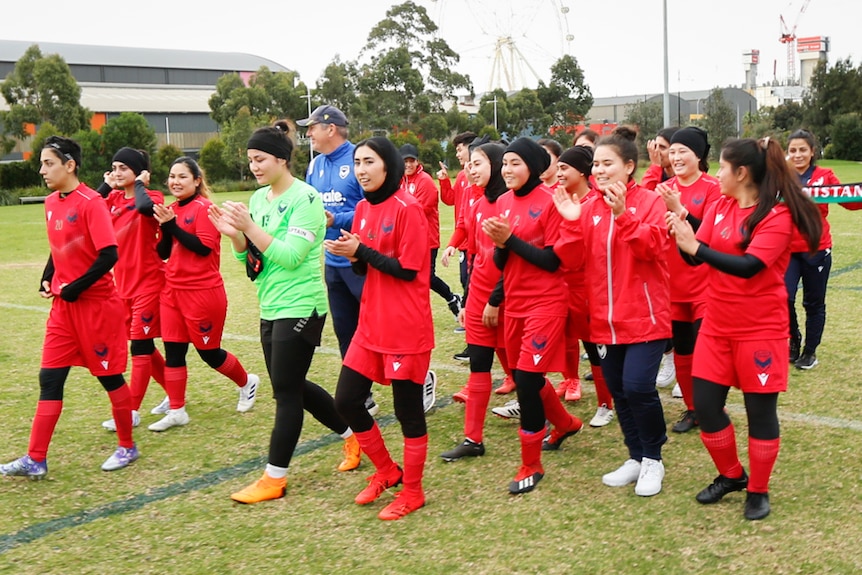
[(760, 408), (684, 336), (481, 358), (175, 355), (353, 389), (529, 385), (288, 347), (52, 381)]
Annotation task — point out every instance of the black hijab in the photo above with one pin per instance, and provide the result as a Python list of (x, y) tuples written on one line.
[(537, 159), (496, 186), (394, 168)]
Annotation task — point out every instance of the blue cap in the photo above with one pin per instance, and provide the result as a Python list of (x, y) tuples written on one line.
[(325, 114)]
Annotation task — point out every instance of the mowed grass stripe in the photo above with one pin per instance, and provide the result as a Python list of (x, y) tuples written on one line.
[(213, 478)]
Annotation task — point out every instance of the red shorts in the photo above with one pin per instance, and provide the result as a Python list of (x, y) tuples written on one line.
[(759, 366), (142, 316), (478, 333), (538, 343), (687, 311), (88, 333), (194, 316), (384, 367)]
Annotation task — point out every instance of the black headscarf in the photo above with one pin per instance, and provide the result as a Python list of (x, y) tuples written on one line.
[(580, 158), (537, 159), (496, 185), (394, 168)]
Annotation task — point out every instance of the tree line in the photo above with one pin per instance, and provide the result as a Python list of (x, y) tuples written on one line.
[(403, 84)]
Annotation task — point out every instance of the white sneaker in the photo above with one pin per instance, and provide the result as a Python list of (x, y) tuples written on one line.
[(649, 480), (666, 371), (163, 407), (111, 426), (676, 391), (174, 418), (248, 393), (371, 406), (429, 391), (627, 473), (602, 417), (512, 410)]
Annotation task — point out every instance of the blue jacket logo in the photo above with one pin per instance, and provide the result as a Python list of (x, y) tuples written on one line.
[(343, 171)]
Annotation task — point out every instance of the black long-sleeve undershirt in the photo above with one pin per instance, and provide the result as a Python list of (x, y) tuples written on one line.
[(103, 263), (369, 256), (543, 258), (191, 242), (744, 266), (143, 202)]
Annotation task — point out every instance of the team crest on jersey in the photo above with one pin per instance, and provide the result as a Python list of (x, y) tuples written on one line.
[(189, 219), (205, 328), (698, 199), (281, 207), (387, 225), (763, 361), (343, 172), (101, 350), (534, 211), (412, 189), (72, 216), (725, 233), (539, 342), (596, 220)]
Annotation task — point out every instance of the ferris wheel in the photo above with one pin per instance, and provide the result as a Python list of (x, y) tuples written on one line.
[(507, 44)]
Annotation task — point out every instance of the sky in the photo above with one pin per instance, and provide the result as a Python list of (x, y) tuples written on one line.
[(617, 43)]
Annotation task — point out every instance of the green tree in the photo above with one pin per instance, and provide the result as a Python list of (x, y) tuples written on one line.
[(528, 114), (235, 134), (757, 124), (788, 117), (846, 142), (833, 91), (161, 162), (719, 121), (211, 159), (499, 110), (128, 129), (41, 89), (269, 96), (649, 119), (567, 98), (337, 86)]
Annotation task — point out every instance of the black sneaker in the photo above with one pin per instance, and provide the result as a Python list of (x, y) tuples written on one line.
[(466, 449), (806, 361), (720, 487), (455, 305), (462, 355), (687, 422), (794, 350), (554, 440), (756, 506)]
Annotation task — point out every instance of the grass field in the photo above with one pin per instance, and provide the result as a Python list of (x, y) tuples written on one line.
[(170, 511)]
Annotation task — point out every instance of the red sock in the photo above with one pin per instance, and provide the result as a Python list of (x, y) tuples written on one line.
[(683, 378), (555, 412), (233, 370), (44, 422), (504, 361), (478, 395), (415, 454), (176, 379), (374, 447), (602, 392), (721, 446), (573, 360), (121, 407), (141, 371), (531, 449), (158, 367), (762, 454)]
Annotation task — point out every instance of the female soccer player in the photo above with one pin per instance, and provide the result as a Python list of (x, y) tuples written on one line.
[(194, 302), (395, 335), (623, 241), (536, 303), (483, 314), (745, 238), (85, 326), (574, 171), (812, 268), (139, 272), (286, 221), (688, 193)]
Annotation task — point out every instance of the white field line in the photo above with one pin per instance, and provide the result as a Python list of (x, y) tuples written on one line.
[(784, 416)]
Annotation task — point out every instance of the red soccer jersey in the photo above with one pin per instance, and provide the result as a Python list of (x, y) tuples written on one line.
[(484, 273), (394, 314), (187, 270), (820, 177), (421, 186), (529, 289), (753, 308), (79, 226), (139, 269), (688, 283)]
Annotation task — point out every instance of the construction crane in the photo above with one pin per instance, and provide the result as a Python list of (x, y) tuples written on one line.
[(788, 37)]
